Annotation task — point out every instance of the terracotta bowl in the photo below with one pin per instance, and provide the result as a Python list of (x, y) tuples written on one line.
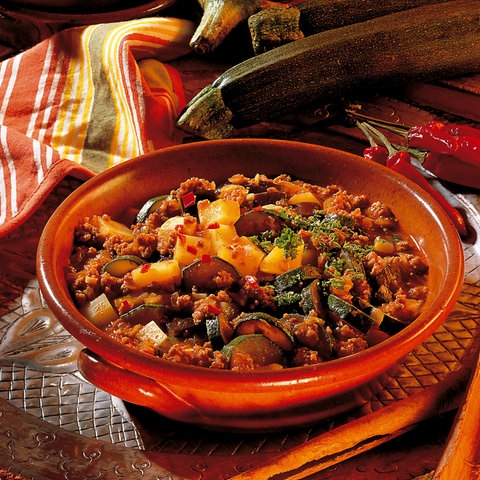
[(248, 401)]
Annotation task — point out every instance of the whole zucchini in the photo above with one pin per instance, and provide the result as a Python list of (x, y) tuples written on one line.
[(275, 26), (320, 15), (425, 43)]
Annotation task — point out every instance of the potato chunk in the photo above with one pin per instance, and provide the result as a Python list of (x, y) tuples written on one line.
[(223, 211)]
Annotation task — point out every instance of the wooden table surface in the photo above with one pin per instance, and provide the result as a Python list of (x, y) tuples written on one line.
[(408, 456)]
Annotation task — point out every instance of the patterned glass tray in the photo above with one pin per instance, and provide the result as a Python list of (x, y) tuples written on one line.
[(67, 428)]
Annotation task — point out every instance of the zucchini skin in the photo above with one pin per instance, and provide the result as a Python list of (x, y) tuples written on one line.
[(320, 15), (421, 44)]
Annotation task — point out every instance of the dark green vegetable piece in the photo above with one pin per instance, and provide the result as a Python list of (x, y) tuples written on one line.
[(330, 66), (296, 277), (349, 313), (260, 349), (214, 333), (149, 207), (383, 321), (271, 327), (201, 275), (119, 266), (255, 222), (312, 299), (322, 341), (273, 27), (288, 299), (320, 15), (145, 313)]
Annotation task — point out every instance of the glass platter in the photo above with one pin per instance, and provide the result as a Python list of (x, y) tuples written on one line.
[(56, 425)]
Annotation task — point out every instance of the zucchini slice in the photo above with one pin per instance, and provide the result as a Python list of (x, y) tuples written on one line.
[(311, 299), (383, 321), (352, 263), (316, 337), (149, 207), (179, 326), (295, 277), (202, 275), (259, 348), (268, 197), (349, 313), (271, 327), (214, 333), (255, 222), (121, 265), (288, 300), (229, 311), (145, 313)]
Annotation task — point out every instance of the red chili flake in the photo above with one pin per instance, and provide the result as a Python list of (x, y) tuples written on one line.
[(191, 249), (188, 199), (206, 258), (126, 306), (214, 309), (257, 209), (182, 238), (252, 281), (213, 225), (145, 268)]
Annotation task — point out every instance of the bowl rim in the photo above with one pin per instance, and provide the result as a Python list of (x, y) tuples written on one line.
[(75, 16), (167, 371)]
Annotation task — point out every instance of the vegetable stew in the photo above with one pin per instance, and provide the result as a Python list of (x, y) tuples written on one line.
[(254, 273)]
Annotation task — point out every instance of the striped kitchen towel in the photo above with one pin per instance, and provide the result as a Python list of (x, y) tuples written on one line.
[(82, 101)]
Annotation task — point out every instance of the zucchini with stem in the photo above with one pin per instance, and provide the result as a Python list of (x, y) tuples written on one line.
[(425, 43), (219, 18)]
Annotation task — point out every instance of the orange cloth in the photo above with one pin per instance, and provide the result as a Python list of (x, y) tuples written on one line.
[(82, 101)]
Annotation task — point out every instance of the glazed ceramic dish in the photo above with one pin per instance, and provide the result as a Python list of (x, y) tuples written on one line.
[(261, 400), (85, 12)]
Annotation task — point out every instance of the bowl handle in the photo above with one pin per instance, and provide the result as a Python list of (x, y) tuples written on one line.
[(136, 389)]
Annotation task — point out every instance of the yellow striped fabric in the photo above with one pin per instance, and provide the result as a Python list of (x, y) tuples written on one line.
[(84, 100)]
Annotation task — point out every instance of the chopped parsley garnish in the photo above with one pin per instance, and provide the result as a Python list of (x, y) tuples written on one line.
[(289, 241)]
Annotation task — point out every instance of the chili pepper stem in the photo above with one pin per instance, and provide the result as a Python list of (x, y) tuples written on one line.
[(371, 132), (398, 129)]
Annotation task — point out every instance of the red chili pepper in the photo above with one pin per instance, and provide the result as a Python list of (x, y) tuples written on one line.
[(463, 174), (125, 307), (191, 249), (251, 280), (188, 199), (451, 157), (182, 238), (400, 162), (145, 268), (461, 130), (206, 258), (214, 309), (377, 153), (213, 226)]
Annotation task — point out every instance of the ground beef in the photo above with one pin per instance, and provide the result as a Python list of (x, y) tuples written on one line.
[(195, 185), (234, 192), (348, 341), (191, 354), (304, 356), (339, 238)]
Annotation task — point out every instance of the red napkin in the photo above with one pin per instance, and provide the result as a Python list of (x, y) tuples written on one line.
[(82, 101)]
